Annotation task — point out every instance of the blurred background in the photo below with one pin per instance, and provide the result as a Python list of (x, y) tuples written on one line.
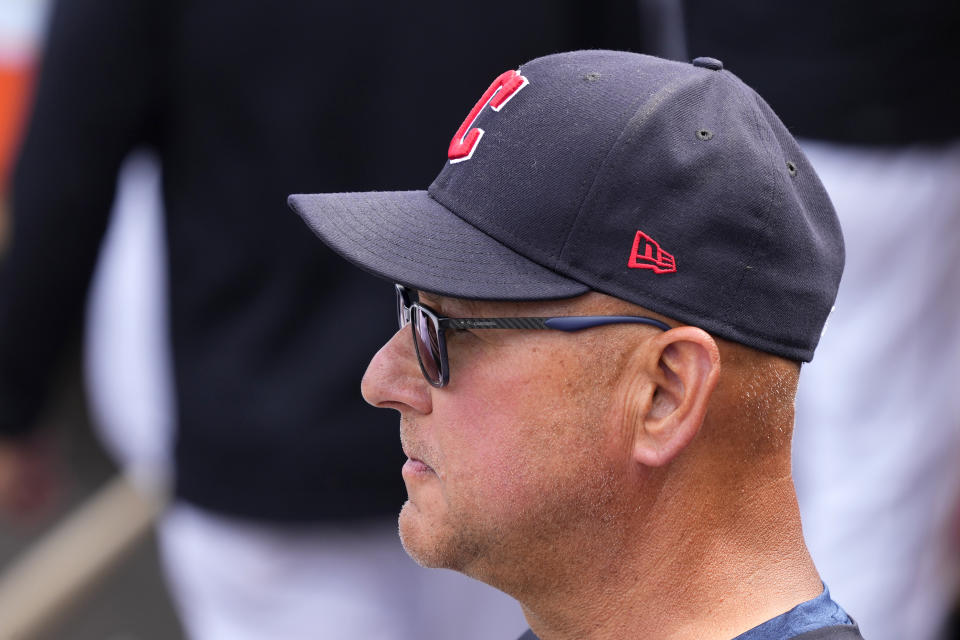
[(184, 452)]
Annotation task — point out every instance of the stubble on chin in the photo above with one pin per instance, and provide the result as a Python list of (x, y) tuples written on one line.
[(412, 537), (436, 544)]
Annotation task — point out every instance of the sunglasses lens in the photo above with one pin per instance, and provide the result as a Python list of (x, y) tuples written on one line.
[(428, 345)]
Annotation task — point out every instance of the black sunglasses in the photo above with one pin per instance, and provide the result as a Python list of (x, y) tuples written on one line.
[(429, 330)]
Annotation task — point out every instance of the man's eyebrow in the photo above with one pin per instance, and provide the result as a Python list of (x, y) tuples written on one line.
[(431, 299), (437, 302), (454, 307)]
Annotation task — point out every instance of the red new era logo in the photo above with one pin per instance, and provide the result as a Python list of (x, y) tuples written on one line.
[(647, 254)]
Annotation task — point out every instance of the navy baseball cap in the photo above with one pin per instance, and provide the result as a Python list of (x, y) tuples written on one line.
[(670, 185)]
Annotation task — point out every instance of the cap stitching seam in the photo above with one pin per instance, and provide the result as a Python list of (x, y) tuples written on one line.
[(646, 107), (736, 293)]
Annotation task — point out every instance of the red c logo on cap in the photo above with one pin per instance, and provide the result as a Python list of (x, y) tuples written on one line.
[(465, 141)]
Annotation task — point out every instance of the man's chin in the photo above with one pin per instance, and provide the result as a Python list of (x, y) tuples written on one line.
[(423, 541)]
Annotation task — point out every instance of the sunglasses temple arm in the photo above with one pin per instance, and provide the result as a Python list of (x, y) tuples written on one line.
[(562, 323), (587, 322)]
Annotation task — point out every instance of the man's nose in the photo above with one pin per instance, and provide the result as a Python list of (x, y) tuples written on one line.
[(393, 379)]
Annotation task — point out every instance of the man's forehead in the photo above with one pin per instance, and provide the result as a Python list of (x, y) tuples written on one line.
[(592, 303), (467, 307)]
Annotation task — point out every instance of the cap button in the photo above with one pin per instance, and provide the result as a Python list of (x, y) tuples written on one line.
[(708, 63)]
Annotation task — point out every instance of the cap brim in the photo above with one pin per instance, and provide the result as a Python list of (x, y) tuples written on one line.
[(410, 238)]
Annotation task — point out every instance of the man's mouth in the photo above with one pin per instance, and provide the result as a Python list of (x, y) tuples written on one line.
[(415, 467)]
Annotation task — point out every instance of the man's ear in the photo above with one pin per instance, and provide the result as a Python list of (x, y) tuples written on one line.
[(683, 367)]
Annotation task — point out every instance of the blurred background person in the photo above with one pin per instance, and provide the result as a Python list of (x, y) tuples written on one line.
[(126, 347), (877, 443), (286, 486)]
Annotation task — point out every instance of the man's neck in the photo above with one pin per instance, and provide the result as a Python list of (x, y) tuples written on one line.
[(680, 573)]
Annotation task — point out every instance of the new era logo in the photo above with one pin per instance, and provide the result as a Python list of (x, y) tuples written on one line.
[(647, 254)]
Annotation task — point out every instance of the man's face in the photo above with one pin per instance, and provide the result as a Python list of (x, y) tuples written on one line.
[(523, 447)]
